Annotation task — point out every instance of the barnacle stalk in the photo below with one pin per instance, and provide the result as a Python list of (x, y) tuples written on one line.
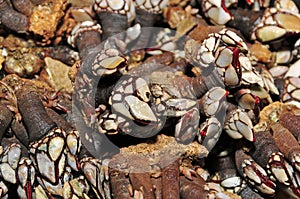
[(170, 175), (247, 191), (198, 85), (12, 19), (85, 36), (291, 121), (6, 117), (23, 6), (287, 144), (140, 177), (247, 21), (115, 16), (193, 189), (37, 124), (121, 187), (148, 12)]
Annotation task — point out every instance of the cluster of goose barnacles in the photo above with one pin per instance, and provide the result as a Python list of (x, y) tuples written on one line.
[(185, 111)]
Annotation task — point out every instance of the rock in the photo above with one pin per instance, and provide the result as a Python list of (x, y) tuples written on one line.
[(45, 19), (56, 74), (24, 62)]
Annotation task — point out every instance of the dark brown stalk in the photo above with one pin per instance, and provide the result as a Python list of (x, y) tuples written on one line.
[(84, 152), (292, 122), (198, 85), (59, 120), (245, 20), (240, 156), (112, 23), (170, 178), (20, 131), (157, 183), (225, 166), (23, 6), (166, 58), (6, 117), (192, 189), (285, 141), (38, 2), (105, 88), (140, 177), (86, 41), (145, 19), (120, 184), (34, 114), (83, 109), (12, 19), (3, 32), (248, 193), (64, 53), (264, 146)]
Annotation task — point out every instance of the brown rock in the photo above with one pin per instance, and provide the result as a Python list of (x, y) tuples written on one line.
[(45, 19)]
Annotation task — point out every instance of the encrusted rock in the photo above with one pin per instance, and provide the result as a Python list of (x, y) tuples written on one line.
[(45, 19), (24, 62), (166, 145)]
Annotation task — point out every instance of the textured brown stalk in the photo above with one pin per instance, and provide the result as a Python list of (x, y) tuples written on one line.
[(285, 141), (240, 156), (59, 120), (145, 19), (12, 19), (170, 179), (264, 146), (225, 166), (140, 177), (292, 122), (202, 83), (157, 183), (112, 23), (166, 58), (38, 2), (248, 193), (86, 41), (23, 6), (192, 189), (64, 53), (245, 20), (119, 182), (20, 132), (37, 121), (6, 117)]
